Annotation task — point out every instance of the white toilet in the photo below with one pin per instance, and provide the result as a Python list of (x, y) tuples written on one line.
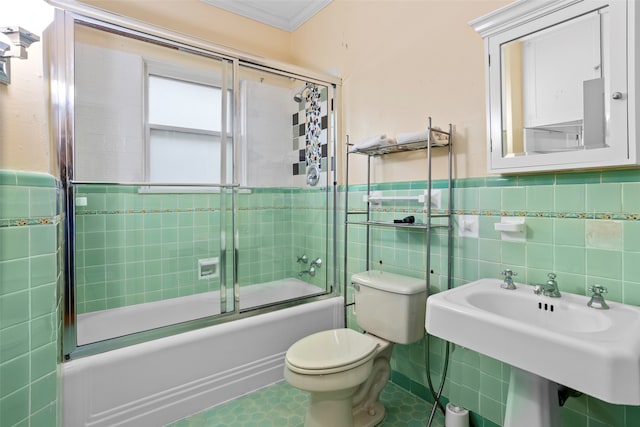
[(345, 370)]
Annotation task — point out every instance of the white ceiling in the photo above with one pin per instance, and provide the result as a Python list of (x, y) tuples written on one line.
[(284, 14)]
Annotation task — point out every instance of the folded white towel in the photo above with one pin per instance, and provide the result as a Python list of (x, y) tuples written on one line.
[(421, 135), (409, 137), (372, 142)]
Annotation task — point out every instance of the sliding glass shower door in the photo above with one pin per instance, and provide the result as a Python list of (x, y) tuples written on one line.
[(151, 182), (198, 185), (284, 201)]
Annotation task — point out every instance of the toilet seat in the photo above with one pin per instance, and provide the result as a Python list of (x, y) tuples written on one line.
[(331, 351)]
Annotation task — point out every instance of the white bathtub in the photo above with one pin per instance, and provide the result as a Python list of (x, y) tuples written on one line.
[(104, 324), (161, 381)]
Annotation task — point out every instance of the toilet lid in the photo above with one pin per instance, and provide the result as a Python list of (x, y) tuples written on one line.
[(328, 350)]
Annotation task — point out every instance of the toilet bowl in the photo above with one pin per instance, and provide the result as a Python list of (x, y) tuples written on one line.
[(336, 367), (344, 370)]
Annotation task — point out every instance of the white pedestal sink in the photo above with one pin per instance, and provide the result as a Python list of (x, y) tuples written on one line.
[(532, 401), (547, 341)]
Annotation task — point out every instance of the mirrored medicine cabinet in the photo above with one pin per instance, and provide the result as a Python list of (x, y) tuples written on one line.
[(561, 84)]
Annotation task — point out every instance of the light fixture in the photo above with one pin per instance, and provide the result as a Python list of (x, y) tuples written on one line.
[(21, 39), (4, 63), (3, 48), (16, 42)]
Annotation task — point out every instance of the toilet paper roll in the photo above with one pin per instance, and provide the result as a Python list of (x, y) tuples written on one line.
[(456, 416)]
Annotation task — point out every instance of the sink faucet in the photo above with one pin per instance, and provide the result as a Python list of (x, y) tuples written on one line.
[(508, 279), (549, 289)]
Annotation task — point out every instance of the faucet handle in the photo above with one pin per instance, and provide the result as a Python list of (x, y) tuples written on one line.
[(508, 279), (598, 289), (552, 278), (508, 273), (597, 300)]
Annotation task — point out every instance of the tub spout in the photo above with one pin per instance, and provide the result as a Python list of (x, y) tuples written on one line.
[(311, 272)]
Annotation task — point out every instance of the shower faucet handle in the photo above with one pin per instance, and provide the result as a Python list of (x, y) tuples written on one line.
[(316, 262), (303, 259)]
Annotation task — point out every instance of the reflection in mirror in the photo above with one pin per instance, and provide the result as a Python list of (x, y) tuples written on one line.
[(553, 85)]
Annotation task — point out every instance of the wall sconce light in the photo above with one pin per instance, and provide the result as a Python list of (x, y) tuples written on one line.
[(4, 63), (3, 48), (14, 44)]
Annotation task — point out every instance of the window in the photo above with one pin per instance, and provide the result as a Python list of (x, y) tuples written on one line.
[(185, 132)]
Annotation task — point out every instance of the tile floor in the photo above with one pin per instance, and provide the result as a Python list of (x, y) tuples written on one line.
[(281, 405)]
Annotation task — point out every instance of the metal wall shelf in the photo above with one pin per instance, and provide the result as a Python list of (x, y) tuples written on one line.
[(408, 146), (418, 226), (434, 140)]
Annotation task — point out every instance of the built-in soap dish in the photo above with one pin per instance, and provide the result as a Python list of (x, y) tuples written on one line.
[(512, 229), (208, 268)]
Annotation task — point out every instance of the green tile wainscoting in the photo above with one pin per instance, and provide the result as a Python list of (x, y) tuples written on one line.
[(583, 226), (30, 299)]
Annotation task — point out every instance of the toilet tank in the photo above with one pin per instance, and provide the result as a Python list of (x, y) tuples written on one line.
[(390, 306)]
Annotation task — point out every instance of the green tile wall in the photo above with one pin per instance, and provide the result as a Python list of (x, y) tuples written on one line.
[(30, 300), (583, 226), (564, 213), (134, 247)]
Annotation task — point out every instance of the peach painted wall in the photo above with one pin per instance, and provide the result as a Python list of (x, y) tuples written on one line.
[(199, 19), (400, 62), (24, 124)]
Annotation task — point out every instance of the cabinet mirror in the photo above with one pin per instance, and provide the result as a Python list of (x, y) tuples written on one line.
[(557, 85)]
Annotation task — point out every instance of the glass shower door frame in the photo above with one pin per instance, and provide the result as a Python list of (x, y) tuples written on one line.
[(61, 74)]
